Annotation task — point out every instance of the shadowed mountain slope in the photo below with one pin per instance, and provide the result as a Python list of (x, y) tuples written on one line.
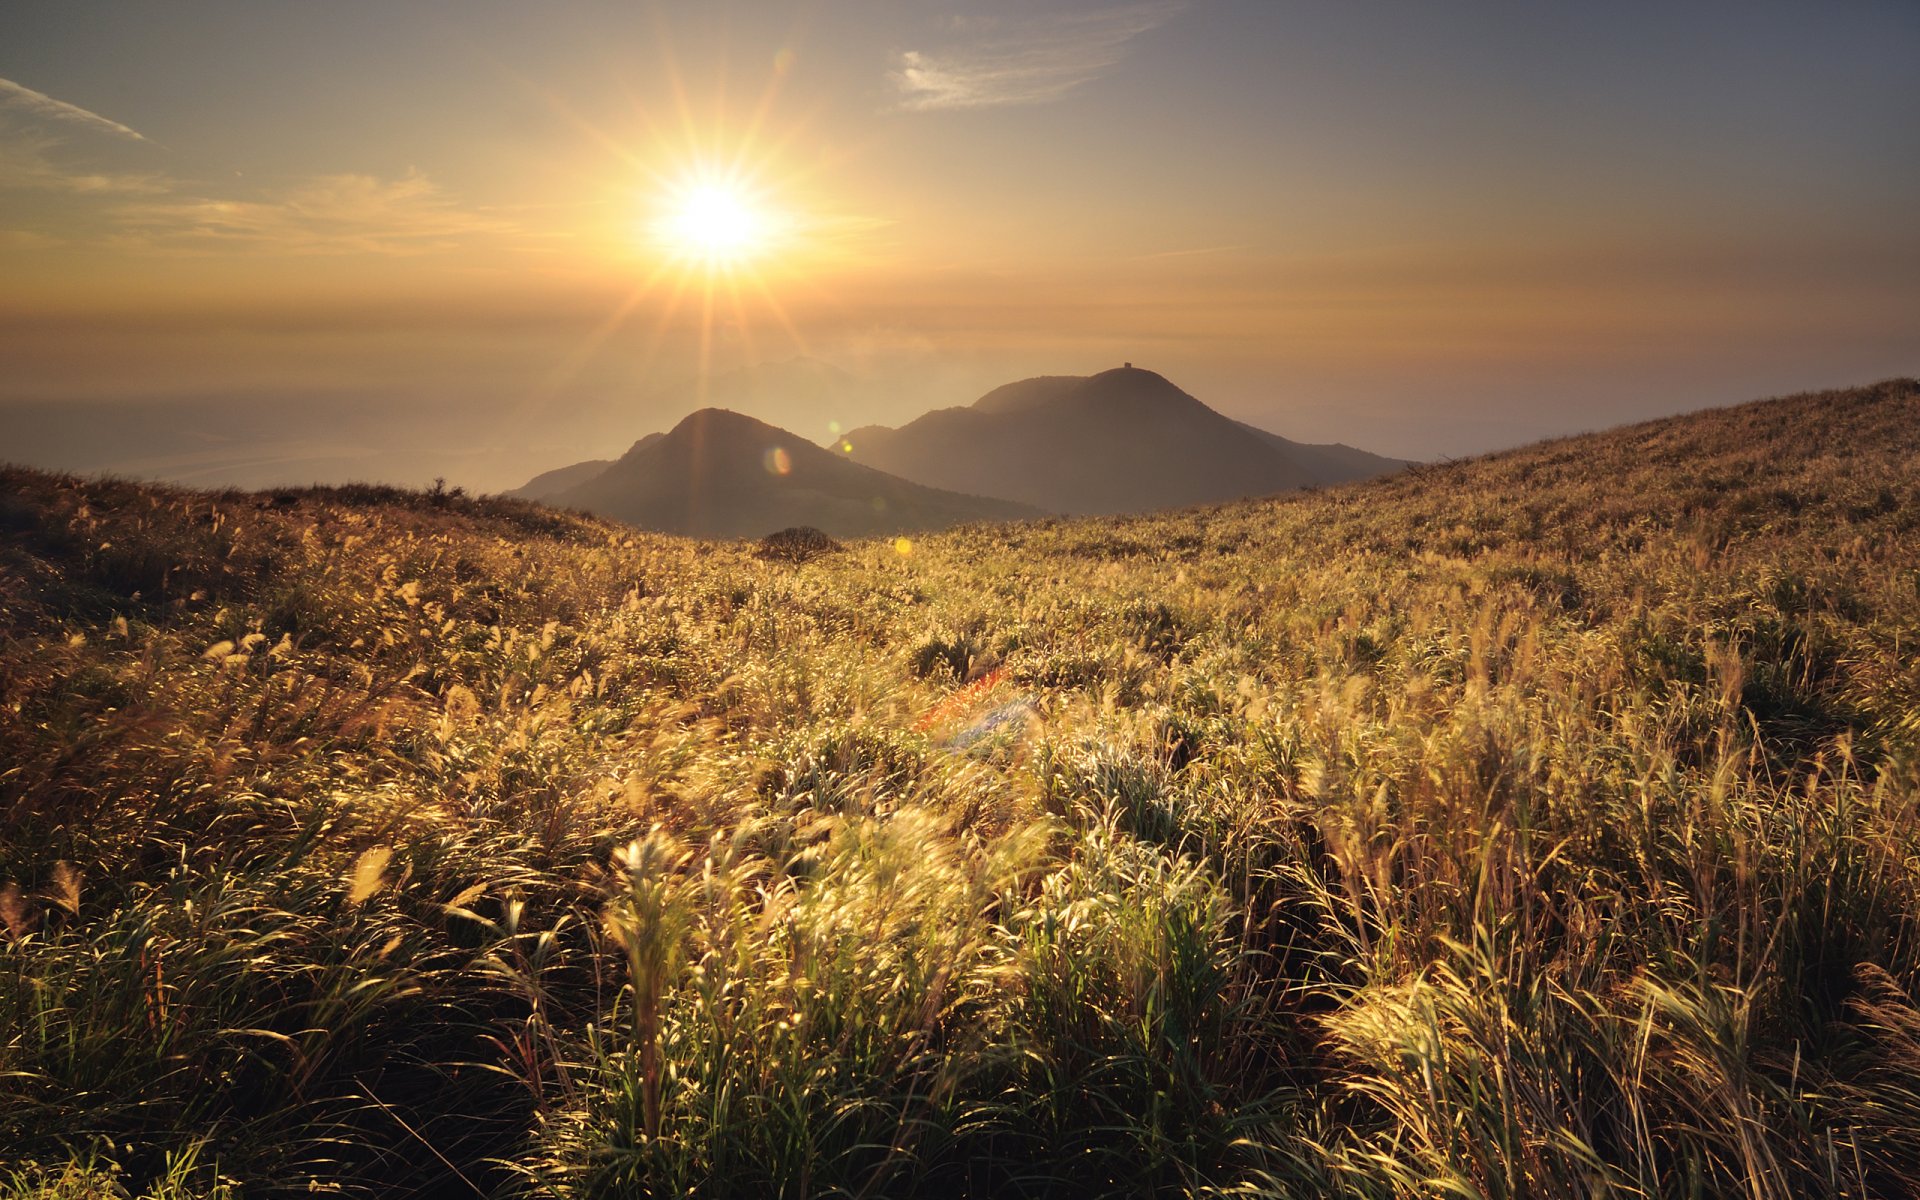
[(548, 484), (1331, 462), (1125, 440), (722, 474)]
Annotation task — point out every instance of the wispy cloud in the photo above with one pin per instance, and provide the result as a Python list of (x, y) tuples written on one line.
[(27, 160), (330, 214), (152, 212), (34, 129), (1029, 60), (21, 98), (156, 213)]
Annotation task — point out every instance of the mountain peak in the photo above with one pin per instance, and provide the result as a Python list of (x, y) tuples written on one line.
[(715, 435), (1122, 384), (1129, 371), (1135, 387), (725, 421), (1132, 377), (1123, 440)]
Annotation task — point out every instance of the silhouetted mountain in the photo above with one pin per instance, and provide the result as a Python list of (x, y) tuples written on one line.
[(1331, 462), (1027, 394), (799, 393), (1125, 440), (722, 474), (548, 484)]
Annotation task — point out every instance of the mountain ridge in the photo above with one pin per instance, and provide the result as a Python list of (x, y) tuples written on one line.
[(1121, 440), (1126, 440), (719, 473)]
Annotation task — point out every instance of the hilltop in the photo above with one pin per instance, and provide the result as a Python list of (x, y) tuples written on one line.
[(1542, 824), (724, 474), (1125, 440)]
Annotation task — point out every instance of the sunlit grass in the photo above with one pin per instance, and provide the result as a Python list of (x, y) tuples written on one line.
[(1542, 825)]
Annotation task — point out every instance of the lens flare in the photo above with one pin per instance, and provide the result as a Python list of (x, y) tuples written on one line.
[(777, 461)]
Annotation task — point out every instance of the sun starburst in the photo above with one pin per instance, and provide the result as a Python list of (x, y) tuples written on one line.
[(717, 223)]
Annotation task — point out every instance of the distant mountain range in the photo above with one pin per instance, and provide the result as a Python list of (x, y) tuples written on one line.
[(1125, 440), (723, 474)]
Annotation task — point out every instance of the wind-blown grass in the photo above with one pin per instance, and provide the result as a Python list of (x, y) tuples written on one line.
[(1537, 825)]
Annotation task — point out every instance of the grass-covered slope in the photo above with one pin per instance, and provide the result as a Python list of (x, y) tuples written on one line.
[(1539, 825)]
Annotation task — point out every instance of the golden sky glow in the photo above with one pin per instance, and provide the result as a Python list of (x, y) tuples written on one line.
[(1421, 231)]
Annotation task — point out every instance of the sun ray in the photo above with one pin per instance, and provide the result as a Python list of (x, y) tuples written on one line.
[(716, 224), (743, 328), (575, 362), (780, 314)]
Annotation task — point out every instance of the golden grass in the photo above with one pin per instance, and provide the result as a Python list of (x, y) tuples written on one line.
[(1536, 825)]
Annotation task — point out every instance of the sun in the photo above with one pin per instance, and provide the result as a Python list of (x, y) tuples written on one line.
[(714, 223)]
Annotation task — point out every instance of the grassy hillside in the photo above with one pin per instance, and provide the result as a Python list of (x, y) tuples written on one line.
[(1539, 825)]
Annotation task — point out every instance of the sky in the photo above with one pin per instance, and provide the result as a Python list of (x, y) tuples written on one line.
[(253, 243)]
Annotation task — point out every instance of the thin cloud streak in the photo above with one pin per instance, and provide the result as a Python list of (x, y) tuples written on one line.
[(27, 162), (329, 214), (24, 99), (1030, 61)]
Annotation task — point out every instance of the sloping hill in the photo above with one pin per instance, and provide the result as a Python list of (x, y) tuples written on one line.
[(1125, 440), (723, 474), (1024, 395), (548, 484), (1035, 859), (1331, 462)]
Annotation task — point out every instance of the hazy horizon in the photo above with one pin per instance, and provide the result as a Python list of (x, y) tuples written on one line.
[(401, 241)]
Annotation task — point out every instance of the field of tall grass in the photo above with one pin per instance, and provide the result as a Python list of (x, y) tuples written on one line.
[(1539, 825)]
